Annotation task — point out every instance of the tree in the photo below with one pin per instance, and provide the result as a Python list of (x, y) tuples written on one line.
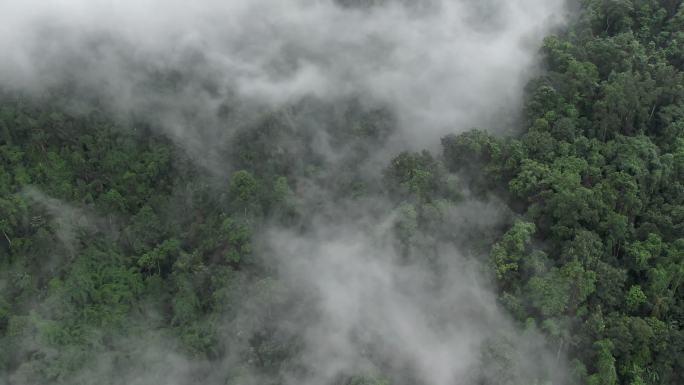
[(244, 190)]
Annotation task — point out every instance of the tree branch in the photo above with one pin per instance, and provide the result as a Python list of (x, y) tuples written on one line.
[(6, 237)]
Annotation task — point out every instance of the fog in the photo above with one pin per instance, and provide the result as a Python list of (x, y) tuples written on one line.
[(430, 320), (436, 66), (440, 65)]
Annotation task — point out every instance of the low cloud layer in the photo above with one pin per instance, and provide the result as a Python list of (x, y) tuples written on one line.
[(438, 66)]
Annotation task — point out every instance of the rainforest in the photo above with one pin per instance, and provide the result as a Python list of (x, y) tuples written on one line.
[(342, 192)]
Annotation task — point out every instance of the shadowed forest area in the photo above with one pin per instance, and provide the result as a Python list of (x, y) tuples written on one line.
[(123, 260)]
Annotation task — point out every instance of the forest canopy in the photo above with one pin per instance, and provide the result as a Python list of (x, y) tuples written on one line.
[(557, 249)]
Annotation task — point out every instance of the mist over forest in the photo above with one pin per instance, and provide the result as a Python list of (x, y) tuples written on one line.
[(342, 192)]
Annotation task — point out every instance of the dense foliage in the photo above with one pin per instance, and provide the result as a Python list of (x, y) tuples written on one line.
[(116, 245), (597, 256)]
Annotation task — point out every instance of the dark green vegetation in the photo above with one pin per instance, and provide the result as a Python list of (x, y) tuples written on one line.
[(115, 246), (597, 257)]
